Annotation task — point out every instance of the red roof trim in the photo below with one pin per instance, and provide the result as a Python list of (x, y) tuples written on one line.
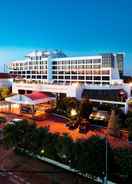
[(37, 95)]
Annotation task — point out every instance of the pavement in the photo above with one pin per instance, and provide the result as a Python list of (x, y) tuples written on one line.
[(26, 170)]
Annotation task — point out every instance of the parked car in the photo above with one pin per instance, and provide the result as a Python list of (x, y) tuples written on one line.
[(26, 110), (99, 115), (84, 126), (15, 120)]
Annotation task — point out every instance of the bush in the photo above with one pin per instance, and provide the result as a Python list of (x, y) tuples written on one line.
[(65, 105), (123, 159), (4, 92), (2, 120), (89, 156)]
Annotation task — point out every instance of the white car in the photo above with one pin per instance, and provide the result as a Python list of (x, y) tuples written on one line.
[(13, 121), (99, 115)]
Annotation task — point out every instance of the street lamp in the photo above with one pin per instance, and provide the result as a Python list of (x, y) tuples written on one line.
[(42, 151), (106, 160)]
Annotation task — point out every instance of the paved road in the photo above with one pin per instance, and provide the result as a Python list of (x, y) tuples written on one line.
[(25, 170), (8, 177)]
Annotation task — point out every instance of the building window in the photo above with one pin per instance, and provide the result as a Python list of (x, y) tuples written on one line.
[(88, 78), (67, 77), (38, 76), (74, 77), (97, 78), (81, 77), (54, 77), (105, 78), (54, 67), (60, 77), (44, 77)]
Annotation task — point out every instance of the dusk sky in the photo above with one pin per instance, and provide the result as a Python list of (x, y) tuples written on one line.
[(78, 27)]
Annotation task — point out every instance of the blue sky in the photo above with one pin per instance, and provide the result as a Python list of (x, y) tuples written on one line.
[(76, 26)]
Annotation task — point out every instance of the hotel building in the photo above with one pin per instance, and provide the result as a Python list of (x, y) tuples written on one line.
[(55, 67), (97, 77)]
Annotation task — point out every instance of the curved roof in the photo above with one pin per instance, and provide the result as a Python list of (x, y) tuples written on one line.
[(30, 99), (37, 95)]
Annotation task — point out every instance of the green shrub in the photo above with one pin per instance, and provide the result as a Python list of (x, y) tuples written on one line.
[(2, 120)]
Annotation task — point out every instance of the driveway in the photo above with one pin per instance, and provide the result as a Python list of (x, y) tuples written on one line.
[(57, 125)]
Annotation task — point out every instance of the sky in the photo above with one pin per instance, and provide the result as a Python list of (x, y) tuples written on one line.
[(78, 27)]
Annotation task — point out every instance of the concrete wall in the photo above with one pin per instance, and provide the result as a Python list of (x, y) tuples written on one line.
[(6, 83), (69, 90)]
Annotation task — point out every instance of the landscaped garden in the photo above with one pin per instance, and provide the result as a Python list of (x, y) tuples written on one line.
[(84, 155), (76, 110)]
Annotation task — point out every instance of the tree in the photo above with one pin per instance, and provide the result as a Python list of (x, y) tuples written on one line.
[(63, 147), (123, 159), (49, 146), (85, 108), (9, 135), (4, 92), (19, 134), (121, 118), (66, 104), (113, 124), (128, 122), (88, 156), (2, 120)]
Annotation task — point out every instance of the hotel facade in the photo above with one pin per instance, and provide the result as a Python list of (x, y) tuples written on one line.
[(78, 76), (55, 67)]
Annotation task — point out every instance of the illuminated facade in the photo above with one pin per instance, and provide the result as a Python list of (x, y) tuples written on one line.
[(98, 77), (55, 67)]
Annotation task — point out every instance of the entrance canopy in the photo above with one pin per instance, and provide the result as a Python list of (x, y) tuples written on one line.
[(30, 99)]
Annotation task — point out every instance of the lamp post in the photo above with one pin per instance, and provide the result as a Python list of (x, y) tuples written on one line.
[(106, 160)]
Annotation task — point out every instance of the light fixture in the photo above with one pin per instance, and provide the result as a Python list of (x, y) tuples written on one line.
[(73, 112)]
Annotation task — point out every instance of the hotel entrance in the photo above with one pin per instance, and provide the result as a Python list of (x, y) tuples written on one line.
[(34, 105)]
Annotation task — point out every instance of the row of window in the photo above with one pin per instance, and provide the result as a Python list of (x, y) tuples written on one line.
[(29, 72), (29, 63), (87, 82), (64, 67), (30, 68), (85, 72), (35, 77), (82, 77), (85, 61)]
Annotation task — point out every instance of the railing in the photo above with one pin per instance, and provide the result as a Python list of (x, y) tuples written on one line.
[(96, 86)]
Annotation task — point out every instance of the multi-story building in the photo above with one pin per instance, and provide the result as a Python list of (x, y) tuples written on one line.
[(97, 77), (55, 67)]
